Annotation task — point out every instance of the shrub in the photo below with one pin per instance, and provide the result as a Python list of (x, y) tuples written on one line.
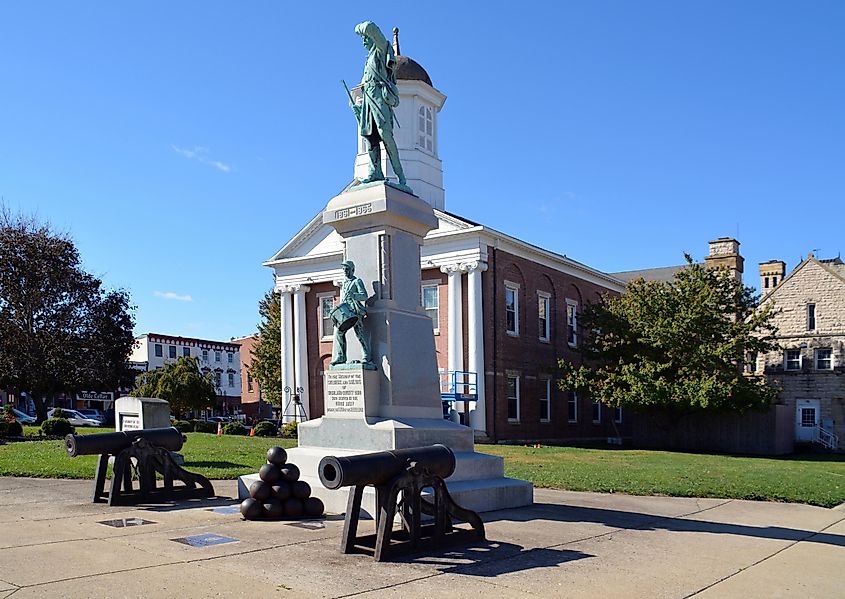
[(184, 426), (8, 414), (4, 428), (59, 413), (57, 427), (203, 426), (14, 429), (234, 428), (289, 429), (266, 429)]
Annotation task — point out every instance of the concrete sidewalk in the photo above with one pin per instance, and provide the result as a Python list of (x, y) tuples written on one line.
[(566, 545)]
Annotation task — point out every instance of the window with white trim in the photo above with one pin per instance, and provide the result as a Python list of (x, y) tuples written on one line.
[(431, 303), (158, 350), (811, 317), (792, 359), (217, 356), (572, 407), (186, 351), (230, 357), (513, 397), (596, 412), (425, 129), (217, 379), (545, 399), (824, 359), (205, 355), (326, 307), (571, 322), (544, 303), (231, 379), (617, 415), (512, 308)]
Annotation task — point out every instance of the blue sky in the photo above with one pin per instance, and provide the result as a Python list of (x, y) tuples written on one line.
[(182, 143)]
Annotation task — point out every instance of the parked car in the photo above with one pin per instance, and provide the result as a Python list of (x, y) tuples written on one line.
[(223, 419), (93, 414), (23, 417), (75, 418)]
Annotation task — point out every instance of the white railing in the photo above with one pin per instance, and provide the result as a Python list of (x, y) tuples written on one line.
[(827, 439)]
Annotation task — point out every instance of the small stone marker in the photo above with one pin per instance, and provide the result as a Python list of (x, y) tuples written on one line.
[(226, 509), (126, 522), (206, 540)]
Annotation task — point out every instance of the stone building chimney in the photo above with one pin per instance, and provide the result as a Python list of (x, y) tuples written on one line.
[(771, 275), (724, 253)]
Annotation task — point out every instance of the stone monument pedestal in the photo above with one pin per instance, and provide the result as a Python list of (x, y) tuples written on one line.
[(397, 405)]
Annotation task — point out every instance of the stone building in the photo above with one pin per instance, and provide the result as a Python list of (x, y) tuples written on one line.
[(810, 366), (502, 309)]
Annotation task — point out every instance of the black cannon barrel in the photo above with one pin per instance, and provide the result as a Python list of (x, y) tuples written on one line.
[(168, 438), (378, 468)]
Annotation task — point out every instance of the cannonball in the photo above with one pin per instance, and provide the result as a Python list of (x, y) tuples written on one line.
[(314, 507), (293, 508), (301, 489), (252, 509), (274, 509), (270, 474), (277, 455), (260, 490), (290, 473), (282, 490)]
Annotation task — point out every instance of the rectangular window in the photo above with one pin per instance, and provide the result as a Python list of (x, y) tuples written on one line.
[(572, 407), (617, 414), (792, 359), (158, 350), (572, 322), (512, 308), (824, 359), (811, 317), (766, 282), (249, 382), (230, 357), (431, 303), (752, 363), (186, 351), (231, 379), (545, 397), (205, 355), (216, 379), (596, 412), (544, 304), (774, 281), (326, 307), (513, 398), (808, 417), (217, 355), (171, 351)]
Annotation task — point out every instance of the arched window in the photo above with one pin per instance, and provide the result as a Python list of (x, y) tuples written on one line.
[(425, 129)]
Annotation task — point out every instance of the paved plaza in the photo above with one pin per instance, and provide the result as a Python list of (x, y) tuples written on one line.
[(53, 544)]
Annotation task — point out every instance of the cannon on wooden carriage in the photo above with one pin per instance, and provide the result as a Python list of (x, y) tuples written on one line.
[(400, 477), (147, 453)]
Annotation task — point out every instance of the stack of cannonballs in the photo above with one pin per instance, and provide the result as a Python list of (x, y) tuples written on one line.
[(280, 494)]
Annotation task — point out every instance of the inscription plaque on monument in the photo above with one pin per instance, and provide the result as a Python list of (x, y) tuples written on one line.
[(344, 393)]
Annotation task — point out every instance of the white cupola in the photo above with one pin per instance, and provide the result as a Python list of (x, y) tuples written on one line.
[(415, 131)]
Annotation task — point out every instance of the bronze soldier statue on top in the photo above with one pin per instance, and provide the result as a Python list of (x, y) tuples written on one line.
[(380, 96)]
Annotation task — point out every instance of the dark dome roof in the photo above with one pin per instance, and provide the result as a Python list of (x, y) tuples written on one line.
[(410, 69)]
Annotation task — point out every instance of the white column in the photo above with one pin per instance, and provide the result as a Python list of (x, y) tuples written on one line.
[(475, 339), (287, 349), (300, 355), (456, 321)]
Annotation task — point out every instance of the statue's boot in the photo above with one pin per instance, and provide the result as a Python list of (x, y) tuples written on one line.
[(393, 156)]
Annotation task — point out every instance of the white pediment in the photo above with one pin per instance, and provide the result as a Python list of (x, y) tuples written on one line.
[(317, 239)]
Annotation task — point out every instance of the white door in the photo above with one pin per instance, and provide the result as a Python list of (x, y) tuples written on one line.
[(807, 417)]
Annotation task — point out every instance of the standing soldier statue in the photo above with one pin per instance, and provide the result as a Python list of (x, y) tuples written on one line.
[(350, 313), (379, 97)]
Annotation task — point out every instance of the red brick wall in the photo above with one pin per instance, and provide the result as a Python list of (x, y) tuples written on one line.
[(526, 355), (319, 351), (441, 339), (249, 399)]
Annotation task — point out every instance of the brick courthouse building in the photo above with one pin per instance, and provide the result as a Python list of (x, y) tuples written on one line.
[(500, 307)]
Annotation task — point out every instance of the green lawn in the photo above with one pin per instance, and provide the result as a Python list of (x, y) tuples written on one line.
[(813, 479)]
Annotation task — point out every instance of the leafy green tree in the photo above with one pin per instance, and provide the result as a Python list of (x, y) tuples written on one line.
[(266, 354), (679, 345), (59, 329), (181, 383)]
